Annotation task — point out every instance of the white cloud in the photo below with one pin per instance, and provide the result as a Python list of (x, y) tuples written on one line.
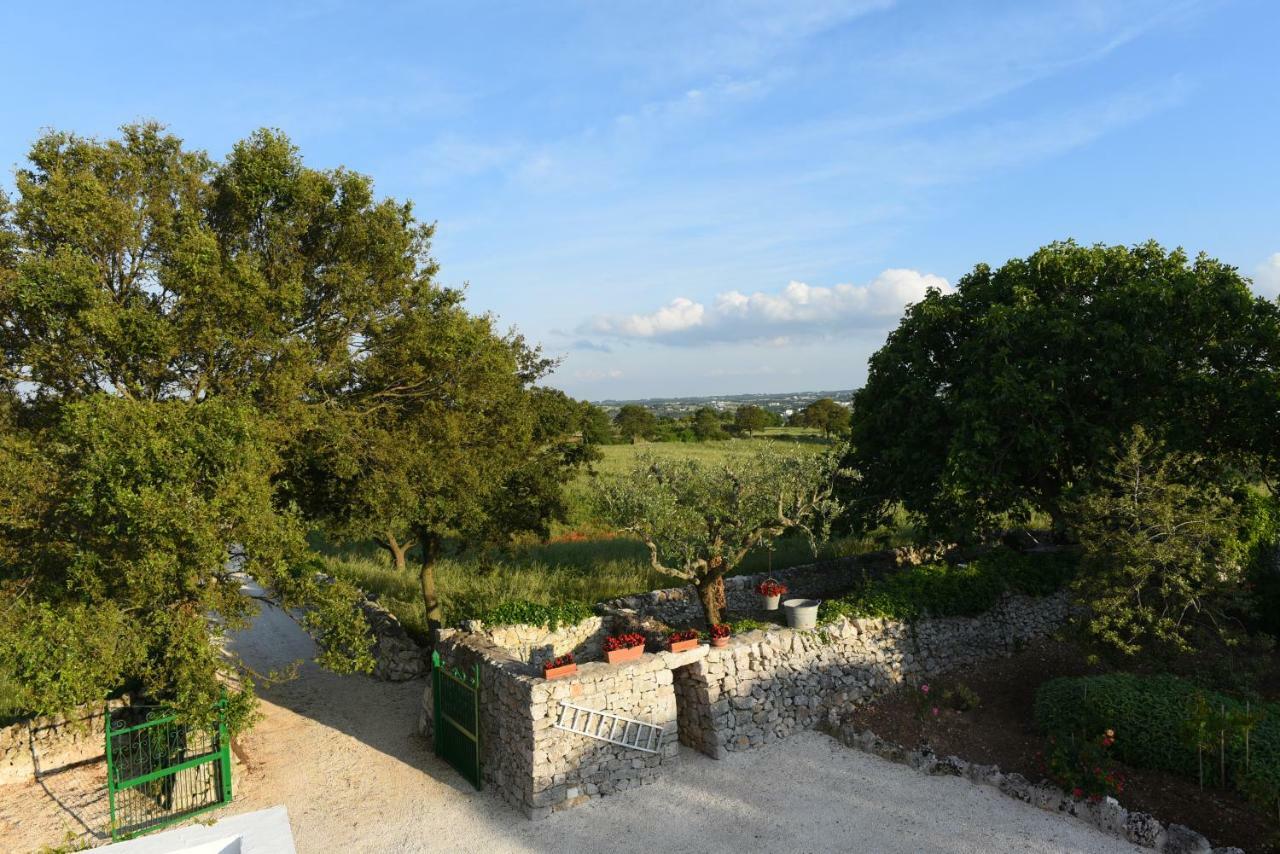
[(594, 375), (680, 315), (772, 318), (1266, 280)]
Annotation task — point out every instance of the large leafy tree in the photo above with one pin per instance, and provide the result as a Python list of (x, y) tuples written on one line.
[(823, 414), (439, 438), (1003, 397), (634, 421), (699, 520), (167, 324)]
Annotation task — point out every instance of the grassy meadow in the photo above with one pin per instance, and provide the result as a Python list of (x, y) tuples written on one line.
[(582, 561)]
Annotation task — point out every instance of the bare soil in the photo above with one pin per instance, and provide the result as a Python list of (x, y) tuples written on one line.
[(1001, 731)]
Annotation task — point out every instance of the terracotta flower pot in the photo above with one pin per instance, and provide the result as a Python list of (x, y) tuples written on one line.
[(631, 653), (557, 672), (681, 646), (719, 643)]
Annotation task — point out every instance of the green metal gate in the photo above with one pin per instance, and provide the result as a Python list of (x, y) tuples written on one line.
[(160, 771), (456, 701)]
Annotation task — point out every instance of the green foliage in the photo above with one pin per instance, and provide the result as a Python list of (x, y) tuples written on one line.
[(750, 419), (945, 590), (1169, 724), (634, 421), (741, 627), (167, 324), (706, 425), (526, 613), (1162, 559), (823, 414), (961, 697), (1260, 542), (990, 402)]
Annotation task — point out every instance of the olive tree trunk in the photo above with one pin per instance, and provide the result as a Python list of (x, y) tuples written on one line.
[(427, 578), (710, 589)]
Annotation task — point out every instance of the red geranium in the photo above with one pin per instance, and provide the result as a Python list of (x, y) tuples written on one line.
[(613, 643), (683, 635), (563, 660), (769, 587), (721, 630)]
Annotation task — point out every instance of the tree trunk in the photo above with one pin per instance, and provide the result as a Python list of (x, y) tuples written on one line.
[(427, 577), (711, 594), (398, 551)]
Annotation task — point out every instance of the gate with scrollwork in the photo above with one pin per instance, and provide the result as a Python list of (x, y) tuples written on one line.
[(456, 702), (160, 771)]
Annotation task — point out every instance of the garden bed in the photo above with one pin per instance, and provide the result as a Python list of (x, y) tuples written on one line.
[(1001, 731)]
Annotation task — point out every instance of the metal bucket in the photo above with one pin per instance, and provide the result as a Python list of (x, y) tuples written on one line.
[(802, 613)]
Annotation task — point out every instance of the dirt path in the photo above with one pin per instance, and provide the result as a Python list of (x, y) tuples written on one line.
[(341, 754)]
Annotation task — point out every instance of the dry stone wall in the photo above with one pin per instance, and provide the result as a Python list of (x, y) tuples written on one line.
[(766, 685), (397, 656), (678, 606), (44, 744), (538, 767)]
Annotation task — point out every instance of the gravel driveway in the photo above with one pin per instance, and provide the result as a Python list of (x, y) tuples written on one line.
[(340, 753)]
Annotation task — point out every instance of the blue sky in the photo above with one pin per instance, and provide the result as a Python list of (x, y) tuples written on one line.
[(699, 198)]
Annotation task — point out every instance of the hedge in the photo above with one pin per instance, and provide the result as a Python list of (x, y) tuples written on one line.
[(944, 590), (526, 613), (1157, 722)]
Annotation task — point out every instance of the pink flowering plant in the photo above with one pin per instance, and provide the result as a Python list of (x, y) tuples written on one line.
[(926, 702)]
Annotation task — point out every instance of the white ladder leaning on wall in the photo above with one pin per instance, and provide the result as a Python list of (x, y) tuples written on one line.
[(606, 726)]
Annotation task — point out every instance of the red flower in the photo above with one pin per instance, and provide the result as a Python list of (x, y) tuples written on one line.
[(617, 642), (769, 587), (1077, 792), (721, 630), (683, 635), (567, 658)]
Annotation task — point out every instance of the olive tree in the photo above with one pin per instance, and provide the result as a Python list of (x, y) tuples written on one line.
[(700, 520)]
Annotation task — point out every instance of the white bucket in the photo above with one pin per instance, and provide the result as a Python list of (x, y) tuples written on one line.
[(802, 613)]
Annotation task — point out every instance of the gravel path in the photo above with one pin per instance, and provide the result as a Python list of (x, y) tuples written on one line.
[(340, 753)]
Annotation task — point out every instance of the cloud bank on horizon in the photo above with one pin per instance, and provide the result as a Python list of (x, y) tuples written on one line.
[(772, 318)]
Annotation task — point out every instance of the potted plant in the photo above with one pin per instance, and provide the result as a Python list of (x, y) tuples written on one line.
[(720, 635), (682, 639), (771, 592), (628, 647), (562, 666)]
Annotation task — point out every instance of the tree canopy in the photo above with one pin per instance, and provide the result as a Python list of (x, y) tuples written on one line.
[(167, 326), (437, 435), (823, 414), (634, 421), (999, 399)]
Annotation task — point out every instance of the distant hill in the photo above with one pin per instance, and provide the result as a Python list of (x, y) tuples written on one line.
[(783, 403)]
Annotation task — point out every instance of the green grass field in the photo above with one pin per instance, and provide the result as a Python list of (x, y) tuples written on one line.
[(583, 561)]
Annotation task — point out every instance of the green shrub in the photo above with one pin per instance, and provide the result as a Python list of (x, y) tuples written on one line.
[(536, 614), (1159, 722), (941, 590)]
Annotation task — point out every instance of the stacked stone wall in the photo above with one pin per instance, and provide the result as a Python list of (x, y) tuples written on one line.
[(44, 744), (540, 768), (766, 685), (397, 656)]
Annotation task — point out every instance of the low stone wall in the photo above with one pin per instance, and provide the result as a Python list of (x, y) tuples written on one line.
[(531, 763), (764, 686), (679, 606), (45, 744), (397, 657), (767, 685)]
